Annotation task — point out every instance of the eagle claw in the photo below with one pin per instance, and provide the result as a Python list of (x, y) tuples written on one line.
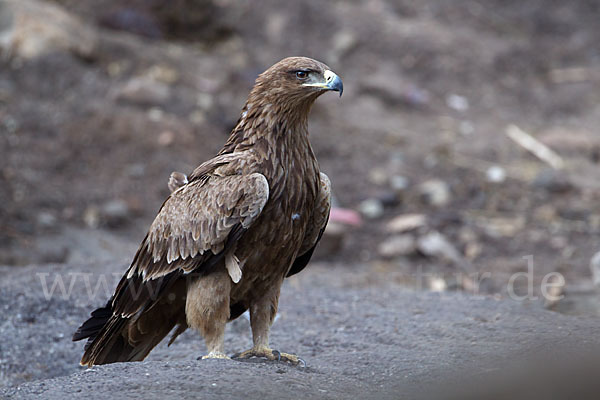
[(270, 354)]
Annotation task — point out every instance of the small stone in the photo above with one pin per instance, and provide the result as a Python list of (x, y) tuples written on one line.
[(399, 183), (143, 91), (406, 222), (456, 102), (466, 128), (166, 138), (371, 208), (495, 174), (399, 245), (378, 176), (135, 170), (32, 28), (115, 213), (553, 181), (332, 240), (91, 217), (434, 244), (595, 268), (46, 219), (435, 192)]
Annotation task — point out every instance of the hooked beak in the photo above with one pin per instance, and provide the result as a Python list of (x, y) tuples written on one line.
[(332, 82)]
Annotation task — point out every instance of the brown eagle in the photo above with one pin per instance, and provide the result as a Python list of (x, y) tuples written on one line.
[(230, 233)]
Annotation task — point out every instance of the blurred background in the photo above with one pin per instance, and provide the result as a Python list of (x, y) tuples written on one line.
[(467, 137)]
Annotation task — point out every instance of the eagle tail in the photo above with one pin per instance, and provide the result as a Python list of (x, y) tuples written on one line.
[(90, 328), (113, 338)]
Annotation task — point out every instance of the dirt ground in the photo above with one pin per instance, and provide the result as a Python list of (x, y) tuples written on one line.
[(360, 338), (110, 98)]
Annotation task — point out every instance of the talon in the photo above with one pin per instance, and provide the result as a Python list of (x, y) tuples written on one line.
[(270, 354), (277, 353)]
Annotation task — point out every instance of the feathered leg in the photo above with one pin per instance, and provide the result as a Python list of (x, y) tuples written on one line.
[(207, 309), (262, 314)]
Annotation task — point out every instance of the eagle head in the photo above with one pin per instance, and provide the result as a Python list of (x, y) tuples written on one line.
[(298, 79)]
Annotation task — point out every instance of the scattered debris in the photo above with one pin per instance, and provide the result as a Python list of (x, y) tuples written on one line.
[(495, 174), (406, 222), (537, 148), (456, 102), (434, 244), (399, 183), (32, 28), (595, 268), (345, 216), (553, 181), (115, 213), (332, 240), (399, 245), (499, 226), (371, 208), (143, 91), (435, 192)]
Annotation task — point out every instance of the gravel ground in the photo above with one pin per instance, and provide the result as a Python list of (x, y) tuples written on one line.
[(361, 335)]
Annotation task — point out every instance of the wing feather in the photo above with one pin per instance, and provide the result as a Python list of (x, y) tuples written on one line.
[(315, 230), (196, 220)]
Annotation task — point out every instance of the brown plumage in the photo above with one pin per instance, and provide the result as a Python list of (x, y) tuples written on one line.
[(227, 236)]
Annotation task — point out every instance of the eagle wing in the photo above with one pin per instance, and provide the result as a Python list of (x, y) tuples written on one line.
[(315, 229), (196, 227)]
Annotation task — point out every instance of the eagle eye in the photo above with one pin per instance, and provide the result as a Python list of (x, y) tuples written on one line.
[(301, 75)]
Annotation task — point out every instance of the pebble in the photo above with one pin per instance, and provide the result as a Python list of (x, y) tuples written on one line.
[(434, 244), (595, 268), (553, 181), (399, 183), (435, 192), (456, 102), (406, 222), (115, 213), (398, 245), (495, 174), (371, 208)]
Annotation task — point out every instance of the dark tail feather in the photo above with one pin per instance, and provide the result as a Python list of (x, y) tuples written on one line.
[(90, 328)]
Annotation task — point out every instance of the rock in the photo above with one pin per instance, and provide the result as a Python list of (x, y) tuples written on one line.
[(456, 102), (387, 85), (166, 138), (406, 222), (332, 240), (435, 192), (91, 217), (434, 244), (595, 268), (495, 174), (31, 28), (143, 91), (553, 181), (399, 183), (399, 245), (371, 208), (501, 226), (46, 219), (115, 213)]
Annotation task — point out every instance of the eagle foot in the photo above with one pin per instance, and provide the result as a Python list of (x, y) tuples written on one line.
[(218, 355), (270, 354)]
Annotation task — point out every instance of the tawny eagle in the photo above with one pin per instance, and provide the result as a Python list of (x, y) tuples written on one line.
[(230, 233)]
